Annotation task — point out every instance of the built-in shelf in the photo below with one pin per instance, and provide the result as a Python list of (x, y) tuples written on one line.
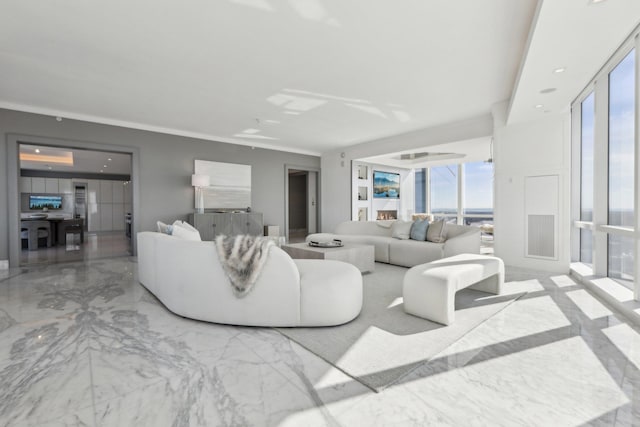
[(363, 214), (363, 172), (363, 193)]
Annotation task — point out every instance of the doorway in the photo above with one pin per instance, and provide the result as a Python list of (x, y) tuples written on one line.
[(302, 203), (71, 201)]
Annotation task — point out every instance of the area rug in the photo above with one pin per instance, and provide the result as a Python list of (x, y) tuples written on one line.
[(384, 343)]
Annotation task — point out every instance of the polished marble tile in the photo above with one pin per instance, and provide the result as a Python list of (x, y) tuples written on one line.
[(237, 388), (83, 344), (395, 406), (95, 246), (330, 389), (560, 383), (80, 418), (45, 372)]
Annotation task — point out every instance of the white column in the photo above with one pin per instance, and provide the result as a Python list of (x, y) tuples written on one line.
[(636, 202), (601, 172), (427, 190), (459, 218), (576, 173)]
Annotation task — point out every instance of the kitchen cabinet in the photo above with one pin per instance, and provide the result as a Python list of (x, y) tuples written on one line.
[(38, 185), (25, 184), (51, 185), (64, 186)]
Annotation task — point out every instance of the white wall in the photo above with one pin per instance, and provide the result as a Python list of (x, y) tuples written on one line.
[(336, 165), (405, 203), (536, 148)]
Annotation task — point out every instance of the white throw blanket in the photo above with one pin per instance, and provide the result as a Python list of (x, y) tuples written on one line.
[(242, 258)]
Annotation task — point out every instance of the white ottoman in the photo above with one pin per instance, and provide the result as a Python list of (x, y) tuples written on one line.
[(429, 289)]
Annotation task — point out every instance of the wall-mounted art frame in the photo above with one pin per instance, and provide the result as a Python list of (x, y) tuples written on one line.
[(229, 184), (386, 185)]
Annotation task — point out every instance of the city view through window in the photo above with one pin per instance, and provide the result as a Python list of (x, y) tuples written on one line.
[(621, 165), (472, 181), (612, 205)]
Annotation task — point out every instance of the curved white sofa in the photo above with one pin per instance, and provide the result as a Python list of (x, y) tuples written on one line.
[(187, 277), (407, 253)]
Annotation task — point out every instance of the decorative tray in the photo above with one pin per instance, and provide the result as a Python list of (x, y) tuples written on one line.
[(332, 244)]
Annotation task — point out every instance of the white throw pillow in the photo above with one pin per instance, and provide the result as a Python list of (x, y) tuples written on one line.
[(184, 230), (168, 228), (401, 230), (164, 228)]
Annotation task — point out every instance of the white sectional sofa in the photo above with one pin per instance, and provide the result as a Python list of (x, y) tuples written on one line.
[(188, 278), (407, 253)]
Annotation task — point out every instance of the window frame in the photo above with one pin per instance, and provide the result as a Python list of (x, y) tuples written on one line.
[(460, 215), (599, 225)]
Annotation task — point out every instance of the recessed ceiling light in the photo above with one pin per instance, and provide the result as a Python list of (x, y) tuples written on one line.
[(104, 166), (539, 106), (548, 90), (596, 1), (37, 150), (559, 70), (109, 159), (101, 171)]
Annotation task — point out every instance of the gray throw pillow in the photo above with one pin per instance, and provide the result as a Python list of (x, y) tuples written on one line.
[(436, 230), (419, 230), (401, 229)]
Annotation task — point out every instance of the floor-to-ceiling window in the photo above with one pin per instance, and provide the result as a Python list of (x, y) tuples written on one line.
[(443, 192), (460, 193), (477, 201), (604, 133), (621, 166), (586, 177)]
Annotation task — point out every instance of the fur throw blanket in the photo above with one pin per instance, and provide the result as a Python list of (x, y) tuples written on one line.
[(242, 258)]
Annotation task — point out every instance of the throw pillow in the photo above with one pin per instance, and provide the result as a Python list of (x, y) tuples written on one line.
[(436, 233), (401, 229), (185, 231), (164, 228), (419, 230)]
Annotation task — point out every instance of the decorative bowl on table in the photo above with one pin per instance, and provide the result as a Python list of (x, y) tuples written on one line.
[(332, 244)]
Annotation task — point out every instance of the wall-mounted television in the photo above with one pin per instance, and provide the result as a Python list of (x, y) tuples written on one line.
[(41, 202), (386, 185)]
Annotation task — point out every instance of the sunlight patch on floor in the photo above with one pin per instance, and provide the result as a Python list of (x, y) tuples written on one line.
[(627, 340), (588, 304)]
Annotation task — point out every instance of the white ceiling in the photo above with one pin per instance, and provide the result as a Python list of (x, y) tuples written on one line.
[(577, 35), (307, 76), (318, 74), (83, 160), (473, 150)]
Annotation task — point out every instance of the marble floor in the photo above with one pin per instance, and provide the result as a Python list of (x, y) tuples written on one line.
[(95, 246), (83, 344)]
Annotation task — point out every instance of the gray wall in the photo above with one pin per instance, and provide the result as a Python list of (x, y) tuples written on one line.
[(165, 166)]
